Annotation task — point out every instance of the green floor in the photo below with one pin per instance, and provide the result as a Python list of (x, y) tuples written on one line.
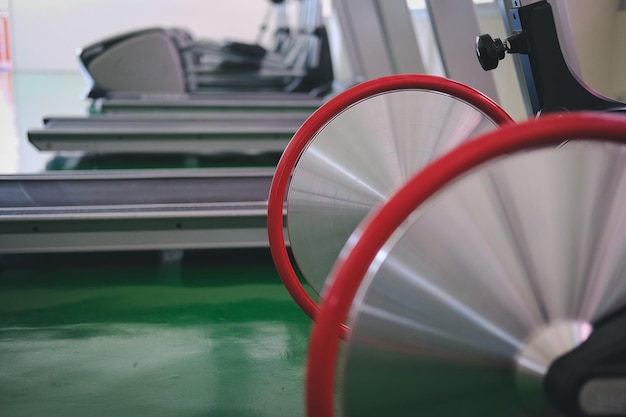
[(124, 335)]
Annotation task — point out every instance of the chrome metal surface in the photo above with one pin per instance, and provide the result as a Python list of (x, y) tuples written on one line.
[(167, 136), (286, 103), (172, 126), (486, 284), (212, 96), (358, 158), (232, 117), (379, 38), (158, 188), (453, 21), (182, 209)]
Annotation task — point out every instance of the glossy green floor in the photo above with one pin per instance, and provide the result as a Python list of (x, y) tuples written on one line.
[(124, 335)]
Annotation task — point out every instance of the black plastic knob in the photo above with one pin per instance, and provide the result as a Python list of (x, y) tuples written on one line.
[(489, 51)]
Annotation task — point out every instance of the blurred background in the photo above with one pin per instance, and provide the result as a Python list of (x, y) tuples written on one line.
[(39, 72)]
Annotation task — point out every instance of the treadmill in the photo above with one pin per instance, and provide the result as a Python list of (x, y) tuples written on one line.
[(156, 209), (154, 134), (149, 210), (222, 102), (195, 70)]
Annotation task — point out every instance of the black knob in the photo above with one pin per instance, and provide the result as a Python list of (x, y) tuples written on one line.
[(489, 51)]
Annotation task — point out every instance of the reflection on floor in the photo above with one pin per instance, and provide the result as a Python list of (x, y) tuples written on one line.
[(213, 336)]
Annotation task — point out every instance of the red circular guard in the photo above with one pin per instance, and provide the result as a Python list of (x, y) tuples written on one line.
[(314, 123), (545, 131)]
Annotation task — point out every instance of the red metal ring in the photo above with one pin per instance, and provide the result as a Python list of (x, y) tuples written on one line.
[(314, 123), (545, 131)]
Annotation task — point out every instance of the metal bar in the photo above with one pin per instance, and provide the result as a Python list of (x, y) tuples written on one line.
[(222, 208), (456, 26), (133, 117), (379, 37), (229, 96), (510, 26), (128, 188), (400, 37), (206, 229), (116, 105), (167, 136)]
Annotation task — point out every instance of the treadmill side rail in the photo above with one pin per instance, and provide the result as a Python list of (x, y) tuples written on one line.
[(159, 210)]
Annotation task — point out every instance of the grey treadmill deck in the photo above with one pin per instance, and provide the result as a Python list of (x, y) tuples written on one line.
[(225, 102), (166, 135), (132, 117), (147, 210)]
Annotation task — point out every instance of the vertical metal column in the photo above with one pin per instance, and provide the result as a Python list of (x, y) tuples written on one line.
[(456, 26), (379, 37)]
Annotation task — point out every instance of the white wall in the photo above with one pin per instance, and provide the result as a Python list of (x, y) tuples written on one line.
[(46, 33), (618, 76), (595, 27)]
